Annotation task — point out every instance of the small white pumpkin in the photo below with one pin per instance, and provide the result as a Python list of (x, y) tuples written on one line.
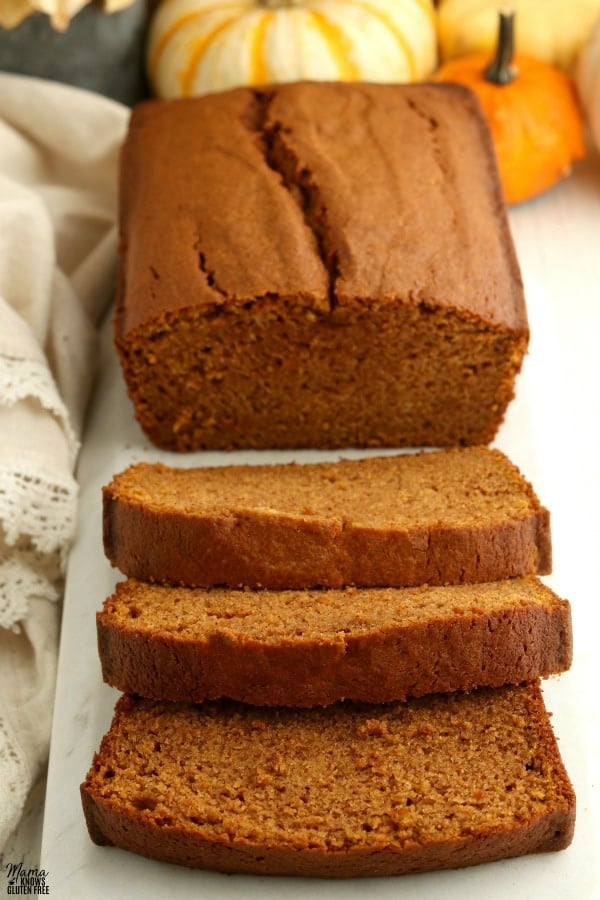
[(549, 30), (588, 82), (200, 46)]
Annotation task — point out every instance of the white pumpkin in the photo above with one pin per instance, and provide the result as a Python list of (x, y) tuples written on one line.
[(550, 30), (200, 46), (588, 82)]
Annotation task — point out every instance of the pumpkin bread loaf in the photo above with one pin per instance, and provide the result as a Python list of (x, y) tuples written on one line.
[(309, 648), (440, 782), (450, 516), (317, 265)]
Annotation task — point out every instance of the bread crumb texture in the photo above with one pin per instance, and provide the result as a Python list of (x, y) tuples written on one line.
[(313, 615), (440, 772), (465, 486)]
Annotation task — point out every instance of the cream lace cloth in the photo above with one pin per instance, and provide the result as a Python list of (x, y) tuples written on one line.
[(58, 177)]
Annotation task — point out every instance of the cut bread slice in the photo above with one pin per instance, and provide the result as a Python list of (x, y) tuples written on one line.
[(441, 782), (313, 647), (446, 517)]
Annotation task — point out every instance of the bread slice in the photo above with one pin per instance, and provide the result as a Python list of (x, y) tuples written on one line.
[(309, 648), (441, 782), (453, 516)]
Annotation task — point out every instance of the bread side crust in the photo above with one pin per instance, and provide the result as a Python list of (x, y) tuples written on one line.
[(260, 549), (110, 825)]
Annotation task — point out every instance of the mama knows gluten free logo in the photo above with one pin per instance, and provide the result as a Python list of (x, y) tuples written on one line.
[(22, 881)]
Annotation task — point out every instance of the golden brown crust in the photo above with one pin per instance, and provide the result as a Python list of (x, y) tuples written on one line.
[(261, 544), (464, 810), (199, 645), (316, 287), (110, 825), (255, 551), (340, 136)]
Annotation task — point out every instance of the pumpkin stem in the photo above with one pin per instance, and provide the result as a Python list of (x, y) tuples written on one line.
[(501, 69), (278, 4)]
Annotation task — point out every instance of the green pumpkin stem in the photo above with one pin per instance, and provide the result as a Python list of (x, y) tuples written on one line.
[(501, 69)]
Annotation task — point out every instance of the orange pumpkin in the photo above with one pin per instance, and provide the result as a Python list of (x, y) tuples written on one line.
[(532, 110)]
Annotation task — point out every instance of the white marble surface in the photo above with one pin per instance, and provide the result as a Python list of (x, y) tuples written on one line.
[(552, 431)]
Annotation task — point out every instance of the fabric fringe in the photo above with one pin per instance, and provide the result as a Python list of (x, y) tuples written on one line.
[(21, 378), (15, 779)]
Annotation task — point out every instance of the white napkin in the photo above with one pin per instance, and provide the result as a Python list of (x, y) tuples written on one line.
[(59, 150)]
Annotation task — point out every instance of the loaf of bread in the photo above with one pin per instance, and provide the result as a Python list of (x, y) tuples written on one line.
[(445, 517), (442, 782), (317, 265), (309, 648)]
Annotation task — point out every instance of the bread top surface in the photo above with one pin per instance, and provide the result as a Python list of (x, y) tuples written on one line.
[(317, 194), (402, 775), (307, 617), (450, 488)]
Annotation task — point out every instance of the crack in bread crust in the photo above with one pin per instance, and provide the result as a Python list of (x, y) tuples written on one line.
[(295, 178)]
